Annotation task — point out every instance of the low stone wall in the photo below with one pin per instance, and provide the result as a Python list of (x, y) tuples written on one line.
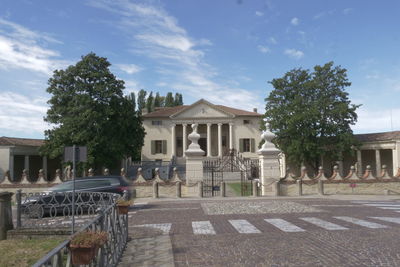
[(165, 190), (342, 187)]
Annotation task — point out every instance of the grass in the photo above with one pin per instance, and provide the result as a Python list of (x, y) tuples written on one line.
[(236, 187), (25, 252)]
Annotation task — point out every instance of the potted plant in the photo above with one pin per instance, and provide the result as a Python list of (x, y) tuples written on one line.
[(84, 246), (123, 205)]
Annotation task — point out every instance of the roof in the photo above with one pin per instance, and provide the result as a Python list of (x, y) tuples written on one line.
[(373, 137), (169, 111), (12, 141)]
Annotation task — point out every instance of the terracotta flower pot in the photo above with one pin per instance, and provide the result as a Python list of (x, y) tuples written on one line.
[(83, 255), (122, 209)]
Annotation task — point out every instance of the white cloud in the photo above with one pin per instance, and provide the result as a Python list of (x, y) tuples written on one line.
[(177, 57), (259, 14), (263, 49), (22, 113), (295, 21), (347, 11), (373, 120), (129, 68), (21, 48), (272, 40), (293, 53)]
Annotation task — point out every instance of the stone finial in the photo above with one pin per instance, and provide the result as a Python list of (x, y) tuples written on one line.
[(58, 172), (123, 172), (25, 177), (384, 173), (368, 173), (106, 171), (58, 177), (139, 176), (90, 172), (194, 147), (268, 146), (157, 177), (67, 173), (40, 179), (175, 175)]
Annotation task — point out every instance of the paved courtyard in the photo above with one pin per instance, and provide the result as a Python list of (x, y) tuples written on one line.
[(265, 232)]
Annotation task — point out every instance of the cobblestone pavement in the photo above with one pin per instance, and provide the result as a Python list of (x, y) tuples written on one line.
[(275, 232)]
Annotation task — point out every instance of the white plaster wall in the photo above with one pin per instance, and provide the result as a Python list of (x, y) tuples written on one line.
[(241, 130), (4, 160), (156, 132)]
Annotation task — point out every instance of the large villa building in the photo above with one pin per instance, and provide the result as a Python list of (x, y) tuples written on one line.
[(221, 128)]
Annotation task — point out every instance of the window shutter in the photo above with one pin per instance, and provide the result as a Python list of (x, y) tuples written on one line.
[(252, 145), (164, 146), (240, 145), (153, 147)]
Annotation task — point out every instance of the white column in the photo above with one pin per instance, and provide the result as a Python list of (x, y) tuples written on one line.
[(26, 164), (219, 139), (378, 162), (359, 162), (44, 167), (173, 141), (208, 139), (184, 138), (396, 158), (11, 166), (230, 136)]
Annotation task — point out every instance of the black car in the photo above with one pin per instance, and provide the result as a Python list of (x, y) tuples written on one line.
[(89, 195)]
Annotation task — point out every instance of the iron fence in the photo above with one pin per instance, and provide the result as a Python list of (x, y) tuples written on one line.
[(108, 220), (55, 209)]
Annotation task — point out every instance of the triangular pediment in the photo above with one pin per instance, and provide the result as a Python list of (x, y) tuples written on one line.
[(202, 109)]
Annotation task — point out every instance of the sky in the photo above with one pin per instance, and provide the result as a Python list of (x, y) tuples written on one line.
[(224, 51)]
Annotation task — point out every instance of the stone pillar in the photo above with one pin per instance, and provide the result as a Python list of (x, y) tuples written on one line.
[(209, 140), (178, 190), (341, 170), (194, 158), (173, 141), (200, 188), (11, 166), (155, 189), (320, 187), (269, 164), (26, 165), (6, 222), (230, 136), (219, 139), (359, 163), (396, 158), (44, 167), (300, 187), (255, 188), (184, 138), (378, 162), (223, 190)]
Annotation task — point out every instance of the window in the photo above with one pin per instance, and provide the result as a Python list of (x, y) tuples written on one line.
[(156, 122), (158, 147), (247, 145), (246, 121)]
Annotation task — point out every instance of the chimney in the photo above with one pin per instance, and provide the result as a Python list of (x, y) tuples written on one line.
[(255, 110)]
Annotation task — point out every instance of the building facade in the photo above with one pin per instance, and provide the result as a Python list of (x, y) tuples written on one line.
[(17, 154), (221, 128)]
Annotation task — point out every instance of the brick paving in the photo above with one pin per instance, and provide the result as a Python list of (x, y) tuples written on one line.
[(184, 233)]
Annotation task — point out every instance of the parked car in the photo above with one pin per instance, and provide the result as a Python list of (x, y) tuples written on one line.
[(58, 199)]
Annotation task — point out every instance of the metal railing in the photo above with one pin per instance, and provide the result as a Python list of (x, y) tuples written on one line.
[(39, 210), (108, 220)]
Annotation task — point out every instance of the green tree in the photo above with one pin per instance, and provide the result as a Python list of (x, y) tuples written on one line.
[(178, 100), (311, 114), (150, 103), (169, 100), (87, 108), (141, 100), (132, 98), (157, 100)]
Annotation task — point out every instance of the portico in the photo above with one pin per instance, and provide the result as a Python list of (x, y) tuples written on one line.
[(221, 128)]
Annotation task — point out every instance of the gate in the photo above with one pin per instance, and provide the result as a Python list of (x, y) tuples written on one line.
[(232, 164)]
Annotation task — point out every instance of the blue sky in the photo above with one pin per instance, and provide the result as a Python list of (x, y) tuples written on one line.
[(224, 51)]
